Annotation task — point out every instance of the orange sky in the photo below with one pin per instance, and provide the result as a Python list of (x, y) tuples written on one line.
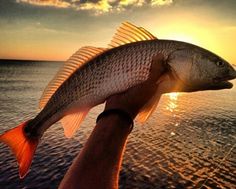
[(56, 29)]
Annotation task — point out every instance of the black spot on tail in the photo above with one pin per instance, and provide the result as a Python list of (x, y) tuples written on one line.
[(30, 130)]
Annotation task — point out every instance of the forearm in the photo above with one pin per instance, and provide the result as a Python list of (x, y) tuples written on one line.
[(97, 165)]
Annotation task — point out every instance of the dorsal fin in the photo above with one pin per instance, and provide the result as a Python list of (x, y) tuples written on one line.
[(82, 56), (129, 33)]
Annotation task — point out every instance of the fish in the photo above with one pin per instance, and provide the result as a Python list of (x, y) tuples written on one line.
[(93, 74)]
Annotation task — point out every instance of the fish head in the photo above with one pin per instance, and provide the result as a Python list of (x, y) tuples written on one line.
[(197, 69)]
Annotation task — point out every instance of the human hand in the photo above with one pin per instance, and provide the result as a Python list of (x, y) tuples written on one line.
[(132, 100)]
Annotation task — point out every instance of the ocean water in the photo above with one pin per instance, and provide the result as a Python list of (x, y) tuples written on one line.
[(189, 142)]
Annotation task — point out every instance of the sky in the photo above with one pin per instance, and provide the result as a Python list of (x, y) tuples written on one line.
[(55, 29)]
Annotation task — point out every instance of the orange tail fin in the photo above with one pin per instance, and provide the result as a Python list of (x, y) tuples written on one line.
[(22, 147)]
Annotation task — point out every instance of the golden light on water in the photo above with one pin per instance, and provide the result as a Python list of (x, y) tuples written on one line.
[(173, 96), (172, 106), (172, 103)]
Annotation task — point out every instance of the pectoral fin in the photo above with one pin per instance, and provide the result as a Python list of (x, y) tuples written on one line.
[(149, 107)]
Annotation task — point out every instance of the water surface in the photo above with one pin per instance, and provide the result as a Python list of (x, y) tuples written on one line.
[(187, 143)]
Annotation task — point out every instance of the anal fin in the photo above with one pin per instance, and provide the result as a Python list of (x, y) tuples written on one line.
[(71, 122)]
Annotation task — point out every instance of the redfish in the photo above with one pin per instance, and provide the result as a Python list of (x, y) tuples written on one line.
[(92, 75)]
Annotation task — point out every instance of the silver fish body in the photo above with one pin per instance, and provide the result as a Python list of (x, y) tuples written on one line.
[(126, 66), (110, 73)]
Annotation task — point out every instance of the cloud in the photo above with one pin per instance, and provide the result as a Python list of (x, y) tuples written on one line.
[(98, 6), (54, 3), (161, 2)]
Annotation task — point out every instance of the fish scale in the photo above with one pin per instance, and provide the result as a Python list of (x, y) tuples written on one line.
[(110, 73)]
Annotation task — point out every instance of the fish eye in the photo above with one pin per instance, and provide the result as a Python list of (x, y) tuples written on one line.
[(220, 63)]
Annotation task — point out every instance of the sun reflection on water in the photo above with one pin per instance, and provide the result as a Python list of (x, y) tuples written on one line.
[(172, 104), (173, 96), (171, 107)]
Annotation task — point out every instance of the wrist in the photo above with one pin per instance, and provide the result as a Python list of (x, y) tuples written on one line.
[(130, 110), (117, 116)]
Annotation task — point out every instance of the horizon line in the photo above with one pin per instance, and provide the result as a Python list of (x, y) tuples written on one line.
[(36, 60)]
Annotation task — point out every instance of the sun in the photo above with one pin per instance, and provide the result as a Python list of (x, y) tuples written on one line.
[(183, 37), (181, 31)]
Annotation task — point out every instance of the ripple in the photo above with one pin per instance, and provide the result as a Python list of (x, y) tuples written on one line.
[(203, 124)]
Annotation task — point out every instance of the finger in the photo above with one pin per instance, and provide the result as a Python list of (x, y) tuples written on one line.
[(157, 67)]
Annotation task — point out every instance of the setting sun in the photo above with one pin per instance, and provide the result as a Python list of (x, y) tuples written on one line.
[(55, 36)]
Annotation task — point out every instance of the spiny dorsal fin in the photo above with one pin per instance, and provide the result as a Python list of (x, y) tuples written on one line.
[(129, 33), (82, 56)]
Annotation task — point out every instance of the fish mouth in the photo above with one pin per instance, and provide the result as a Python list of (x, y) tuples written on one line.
[(216, 83), (223, 83)]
